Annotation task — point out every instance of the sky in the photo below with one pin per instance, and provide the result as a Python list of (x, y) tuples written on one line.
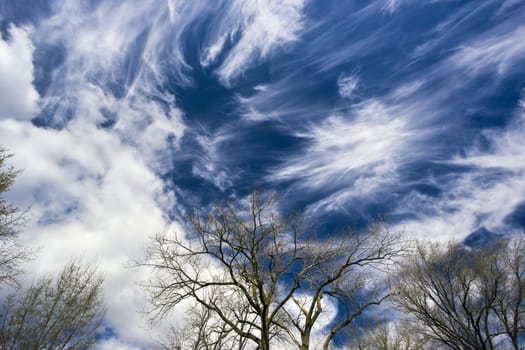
[(125, 114)]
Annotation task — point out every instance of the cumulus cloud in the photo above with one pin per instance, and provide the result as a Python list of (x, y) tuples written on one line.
[(18, 97), (91, 196)]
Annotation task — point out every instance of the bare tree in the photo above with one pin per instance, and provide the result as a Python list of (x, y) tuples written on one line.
[(466, 298), (60, 313), (250, 268), (11, 254)]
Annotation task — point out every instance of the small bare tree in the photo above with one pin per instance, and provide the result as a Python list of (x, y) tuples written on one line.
[(249, 267), (466, 298), (60, 313), (11, 254)]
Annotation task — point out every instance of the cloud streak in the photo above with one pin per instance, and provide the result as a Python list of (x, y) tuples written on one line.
[(499, 52), (482, 198), (261, 27)]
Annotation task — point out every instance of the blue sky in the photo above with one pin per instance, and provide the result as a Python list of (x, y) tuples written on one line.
[(123, 114)]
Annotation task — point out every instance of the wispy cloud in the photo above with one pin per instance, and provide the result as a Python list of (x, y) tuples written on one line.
[(92, 181), (499, 52), (261, 27), (344, 162), (355, 153), (483, 197), (391, 5), (112, 69), (348, 85), (509, 4), (208, 163)]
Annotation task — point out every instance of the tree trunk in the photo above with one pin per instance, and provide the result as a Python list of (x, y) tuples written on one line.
[(305, 338)]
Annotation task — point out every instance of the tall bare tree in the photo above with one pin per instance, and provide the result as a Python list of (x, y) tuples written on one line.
[(54, 313), (466, 298), (11, 253), (251, 268)]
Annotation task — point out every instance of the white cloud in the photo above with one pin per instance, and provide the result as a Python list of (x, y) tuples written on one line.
[(97, 41), (391, 5), (262, 26), (482, 198), (93, 191), (496, 48), (18, 97), (498, 51), (208, 165), (260, 88), (507, 4), (114, 344), (356, 154), (103, 50), (210, 53), (91, 196), (275, 101), (347, 84), (405, 90), (249, 111)]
